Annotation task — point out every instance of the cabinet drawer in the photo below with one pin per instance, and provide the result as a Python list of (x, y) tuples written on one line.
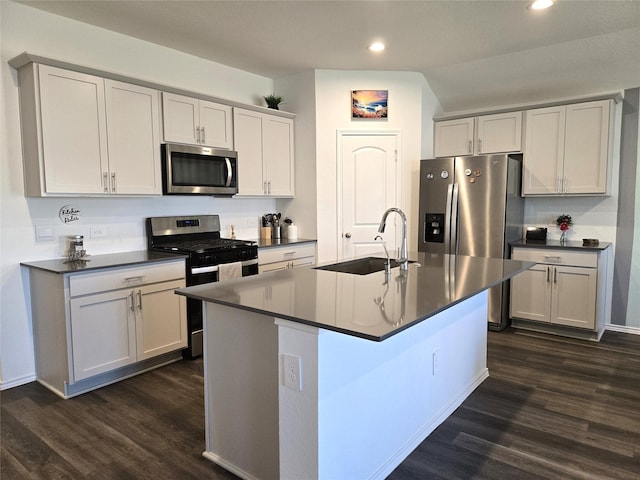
[(113, 279), (556, 256), (291, 252)]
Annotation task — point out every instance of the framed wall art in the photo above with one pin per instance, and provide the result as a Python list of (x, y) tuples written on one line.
[(366, 104)]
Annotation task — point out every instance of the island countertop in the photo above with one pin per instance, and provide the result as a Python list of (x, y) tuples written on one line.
[(365, 306)]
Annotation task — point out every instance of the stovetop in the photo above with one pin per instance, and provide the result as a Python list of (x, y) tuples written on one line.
[(203, 246), (199, 237)]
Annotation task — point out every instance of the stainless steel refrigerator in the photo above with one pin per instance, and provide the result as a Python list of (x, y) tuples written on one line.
[(472, 206)]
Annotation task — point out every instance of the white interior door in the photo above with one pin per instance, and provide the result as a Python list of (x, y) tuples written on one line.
[(369, 185)]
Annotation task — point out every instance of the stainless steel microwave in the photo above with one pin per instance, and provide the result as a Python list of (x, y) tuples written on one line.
[(195, 170)]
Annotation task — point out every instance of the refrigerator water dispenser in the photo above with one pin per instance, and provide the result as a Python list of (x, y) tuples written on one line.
[(434, 227)]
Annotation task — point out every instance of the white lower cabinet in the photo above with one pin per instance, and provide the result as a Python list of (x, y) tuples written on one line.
[(286, 256), (564, 289), (103, 334), (94, 328)]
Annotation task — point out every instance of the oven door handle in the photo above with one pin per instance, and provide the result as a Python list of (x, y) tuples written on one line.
[(229, 172), (214, 268), (200, 270)]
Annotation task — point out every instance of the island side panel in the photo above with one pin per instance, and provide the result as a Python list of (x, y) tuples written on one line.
[(241, 391), (376, 401)]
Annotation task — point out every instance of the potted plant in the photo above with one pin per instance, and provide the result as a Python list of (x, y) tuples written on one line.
[(273, 101)]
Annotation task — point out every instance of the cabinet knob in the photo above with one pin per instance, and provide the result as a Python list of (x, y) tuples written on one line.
[(347, 235)]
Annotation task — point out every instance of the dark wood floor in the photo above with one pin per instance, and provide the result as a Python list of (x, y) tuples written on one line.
[(552, 408)]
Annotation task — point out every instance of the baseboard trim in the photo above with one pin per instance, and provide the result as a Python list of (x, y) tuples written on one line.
[(16, 382), (622, 329)]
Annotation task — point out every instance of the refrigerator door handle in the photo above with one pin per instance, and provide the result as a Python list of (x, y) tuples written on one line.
[(447, 220), (452, 205), (454, 220)]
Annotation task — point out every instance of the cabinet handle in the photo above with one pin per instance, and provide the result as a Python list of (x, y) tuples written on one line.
[(565, 189), (558, 185), (548, 268), (552, 258), (131, 304), (105, 182), (197, 134), (555, 275), (288, 254), (269, 187), (479, 145), (113, 183), (202, 139), (470, 146), (139, 299), (134, 280)]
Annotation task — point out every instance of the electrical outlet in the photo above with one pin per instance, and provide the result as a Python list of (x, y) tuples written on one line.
[(292, 372), (435, 360), (98, 231), (44, 233), (252, 222)]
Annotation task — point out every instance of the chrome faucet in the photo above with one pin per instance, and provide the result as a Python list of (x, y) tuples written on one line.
[(387, 266), (404, 255)]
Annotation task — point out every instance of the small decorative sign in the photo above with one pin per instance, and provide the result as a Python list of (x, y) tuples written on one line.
[(368, 104), (69, 214)]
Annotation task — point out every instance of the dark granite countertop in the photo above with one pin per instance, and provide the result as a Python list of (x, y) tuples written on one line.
[(570, 245), (365, 306), (96, 262)]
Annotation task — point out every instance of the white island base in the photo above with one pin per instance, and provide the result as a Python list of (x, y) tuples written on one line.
[(361, 407)]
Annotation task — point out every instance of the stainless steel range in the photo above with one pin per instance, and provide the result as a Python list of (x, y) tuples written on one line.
[(198, 236)]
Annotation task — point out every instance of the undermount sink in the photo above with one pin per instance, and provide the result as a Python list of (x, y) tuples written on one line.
[(359, 266)]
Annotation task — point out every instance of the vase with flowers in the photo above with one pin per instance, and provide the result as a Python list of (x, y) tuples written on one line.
[(564, 221)]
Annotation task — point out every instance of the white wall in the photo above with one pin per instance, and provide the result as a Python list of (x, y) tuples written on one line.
[(26, 29), (411, 108), (298, 92)]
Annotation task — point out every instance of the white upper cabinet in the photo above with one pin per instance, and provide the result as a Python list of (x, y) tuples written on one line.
[(544, 151), (499, 133), (454, 137), (133, 137), (73, 133), (265, 154), (568, 149), (198, 122), (587, 147), (85, 135)]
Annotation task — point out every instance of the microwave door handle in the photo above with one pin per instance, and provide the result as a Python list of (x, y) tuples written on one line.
[(229, 172)]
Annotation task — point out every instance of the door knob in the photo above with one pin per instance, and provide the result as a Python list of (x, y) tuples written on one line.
[(347, 235)]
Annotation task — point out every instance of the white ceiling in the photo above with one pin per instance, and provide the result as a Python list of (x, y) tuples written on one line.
[(474, 54)]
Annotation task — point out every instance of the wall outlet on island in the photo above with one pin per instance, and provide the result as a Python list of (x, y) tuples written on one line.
[(435, 360), (292, 372)]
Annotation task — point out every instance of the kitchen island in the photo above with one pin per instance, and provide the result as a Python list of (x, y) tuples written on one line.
[(317, 374)]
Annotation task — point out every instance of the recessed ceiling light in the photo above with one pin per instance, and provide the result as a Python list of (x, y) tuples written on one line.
[(540, 4), (376, 47)]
